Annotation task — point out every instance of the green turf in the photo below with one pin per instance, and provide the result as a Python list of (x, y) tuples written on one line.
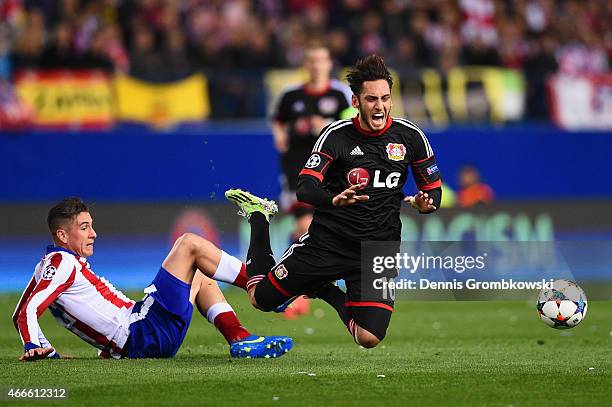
[(443, 353)]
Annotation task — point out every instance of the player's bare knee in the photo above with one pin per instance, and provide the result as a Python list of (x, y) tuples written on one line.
[(190, 242), (182, 242), (366, 338)]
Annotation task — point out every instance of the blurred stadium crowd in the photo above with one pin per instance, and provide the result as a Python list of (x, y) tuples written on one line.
[(235, 40)]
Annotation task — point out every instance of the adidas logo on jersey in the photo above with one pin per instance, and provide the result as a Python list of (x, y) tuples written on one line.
[(357, 151)]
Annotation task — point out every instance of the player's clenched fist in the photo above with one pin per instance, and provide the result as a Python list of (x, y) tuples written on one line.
[(349, 196)]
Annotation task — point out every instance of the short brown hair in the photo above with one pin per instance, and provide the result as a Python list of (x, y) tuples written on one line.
[(370, 68), (64, 211), (316, 43)]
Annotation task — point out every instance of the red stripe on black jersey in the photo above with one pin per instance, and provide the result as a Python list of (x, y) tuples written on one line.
[(326, 155), (317, 165), (433, 185), (277, 285), (315, 174)]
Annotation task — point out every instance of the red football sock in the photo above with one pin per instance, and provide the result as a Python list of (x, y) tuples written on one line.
[(224, 318), (241, 279), (231, 270)]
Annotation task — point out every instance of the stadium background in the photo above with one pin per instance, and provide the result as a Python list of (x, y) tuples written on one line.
[(151, 109)]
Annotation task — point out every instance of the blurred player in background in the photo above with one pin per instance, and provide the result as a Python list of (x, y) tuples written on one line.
[(301, 111), (354, 177), (92, 308)]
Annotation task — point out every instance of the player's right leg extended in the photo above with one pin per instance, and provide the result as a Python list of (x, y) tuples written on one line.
[(191, 252), (260, 259)]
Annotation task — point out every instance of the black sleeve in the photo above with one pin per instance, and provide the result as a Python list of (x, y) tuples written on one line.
[(310, 181), (423, 163), (279, 110), (310, 191)]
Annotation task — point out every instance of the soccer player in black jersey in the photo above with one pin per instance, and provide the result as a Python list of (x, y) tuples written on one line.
[(354, 177), (301, 111)]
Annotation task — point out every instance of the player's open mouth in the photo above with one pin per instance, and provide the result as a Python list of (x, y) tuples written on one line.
[(378, 118)]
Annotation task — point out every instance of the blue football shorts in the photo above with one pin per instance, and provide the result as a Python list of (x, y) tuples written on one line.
[(159, 322)]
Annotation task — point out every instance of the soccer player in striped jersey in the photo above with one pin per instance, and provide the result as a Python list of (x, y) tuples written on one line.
[(354, 178), (92, 308)]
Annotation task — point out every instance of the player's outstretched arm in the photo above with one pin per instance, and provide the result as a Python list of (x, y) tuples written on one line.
[(24, 297), (57, 275)]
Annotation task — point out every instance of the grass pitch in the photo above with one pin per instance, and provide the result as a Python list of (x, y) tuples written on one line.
[(435, 353)]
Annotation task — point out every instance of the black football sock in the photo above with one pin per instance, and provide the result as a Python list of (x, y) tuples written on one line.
[(335, 297), (260, 259)]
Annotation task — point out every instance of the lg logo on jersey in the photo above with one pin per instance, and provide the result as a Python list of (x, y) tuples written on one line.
[(391, 181), (358, 176)]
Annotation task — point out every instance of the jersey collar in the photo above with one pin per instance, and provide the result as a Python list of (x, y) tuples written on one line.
[(53, 248), (310, 92), (371, 133)]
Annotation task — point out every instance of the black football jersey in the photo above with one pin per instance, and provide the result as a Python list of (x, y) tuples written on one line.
[(297, 104), (346, 155)]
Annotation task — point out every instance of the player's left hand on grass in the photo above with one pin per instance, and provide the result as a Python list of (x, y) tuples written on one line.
[(349, 196), (421, 201), (36, 354)]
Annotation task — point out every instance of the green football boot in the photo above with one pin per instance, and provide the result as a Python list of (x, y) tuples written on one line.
[(248, 204)]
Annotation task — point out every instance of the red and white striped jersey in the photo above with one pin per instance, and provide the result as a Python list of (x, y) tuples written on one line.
[(82, 302)]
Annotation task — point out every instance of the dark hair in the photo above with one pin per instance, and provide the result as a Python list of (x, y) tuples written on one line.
[(370, 68), (64, 211), (316, 43)]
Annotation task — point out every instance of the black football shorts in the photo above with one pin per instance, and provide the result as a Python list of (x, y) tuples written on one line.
[(306, 267)]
